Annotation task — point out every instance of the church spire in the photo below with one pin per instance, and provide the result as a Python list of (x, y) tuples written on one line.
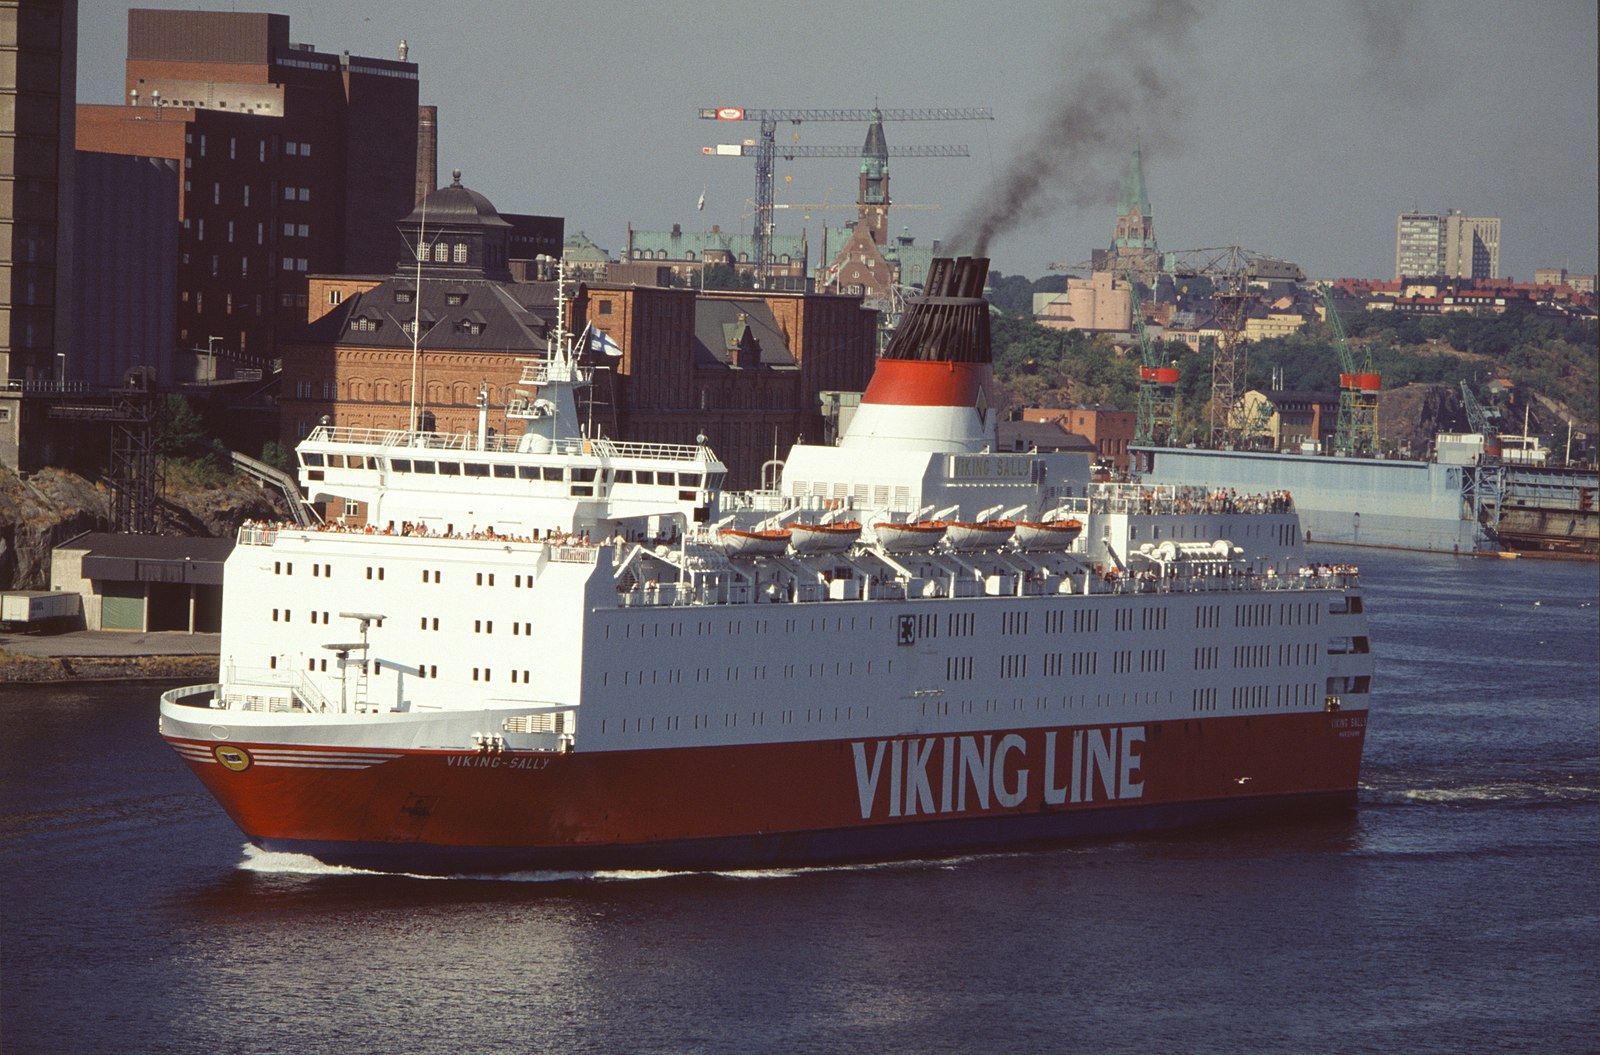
[(1133, 195), (872, 205)]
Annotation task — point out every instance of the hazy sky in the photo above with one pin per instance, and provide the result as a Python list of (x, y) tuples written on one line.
[(1292, 128)]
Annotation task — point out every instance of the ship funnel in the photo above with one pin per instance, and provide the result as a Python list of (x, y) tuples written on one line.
[(932, 386), (950, 322)]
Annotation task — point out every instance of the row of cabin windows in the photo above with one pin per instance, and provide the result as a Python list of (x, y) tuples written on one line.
[(1013, 623), (731, 719), (286, 567), (548, 473), (288, 615), (705, 627), (706, 675)]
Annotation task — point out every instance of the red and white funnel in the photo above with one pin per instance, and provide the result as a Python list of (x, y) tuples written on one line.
[(934, 384)]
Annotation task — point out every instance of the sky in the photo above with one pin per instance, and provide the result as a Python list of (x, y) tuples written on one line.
[(1297, 130)]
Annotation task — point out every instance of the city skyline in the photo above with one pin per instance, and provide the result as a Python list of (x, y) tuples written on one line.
[(1299, 133)]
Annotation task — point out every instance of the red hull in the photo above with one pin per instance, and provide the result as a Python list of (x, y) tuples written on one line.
[(763, 803)]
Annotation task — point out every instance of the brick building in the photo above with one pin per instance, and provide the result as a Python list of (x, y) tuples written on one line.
[(1109, 429), (293, 161), (870, 262), (746, 370), (356, 362)]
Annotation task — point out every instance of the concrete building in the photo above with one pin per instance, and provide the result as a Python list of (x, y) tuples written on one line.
[(1291, 419), (294, 161), (38, 85), (1044, 437), (1560, 276), (1446, 246), (1101, 303), (144, 582), (126, 283)]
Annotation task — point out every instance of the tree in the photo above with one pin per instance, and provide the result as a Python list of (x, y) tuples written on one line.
[(179, 428)]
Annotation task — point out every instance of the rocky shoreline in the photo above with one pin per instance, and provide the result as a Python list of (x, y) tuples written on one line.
[(35, 670)]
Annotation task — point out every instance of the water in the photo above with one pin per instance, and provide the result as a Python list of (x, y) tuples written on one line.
[(1457, 911)]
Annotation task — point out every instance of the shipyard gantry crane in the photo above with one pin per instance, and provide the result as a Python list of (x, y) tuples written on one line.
[(765, 150), (1158, 381), (1357, 429), (1230, 269), (1481, 423)]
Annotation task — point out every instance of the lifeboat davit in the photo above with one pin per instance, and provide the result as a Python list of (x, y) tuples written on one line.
[(1046, 534), (739, 543), (987, 534), (823, 538), (906, 538)]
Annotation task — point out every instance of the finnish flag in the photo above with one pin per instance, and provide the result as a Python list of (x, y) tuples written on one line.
[(600, 341)]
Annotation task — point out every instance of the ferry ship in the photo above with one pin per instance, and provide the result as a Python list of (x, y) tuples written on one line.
[(557, 651)]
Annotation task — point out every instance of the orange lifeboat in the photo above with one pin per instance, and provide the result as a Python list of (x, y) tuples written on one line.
[(987, 534), (823, 538), (907, 538), (739, 543), (1047, 534)]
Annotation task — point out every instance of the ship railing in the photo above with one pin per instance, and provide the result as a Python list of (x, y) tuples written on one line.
[(181, 694), (574, 554), (251, 534), (269, 689), (470, 441), (553, 728)]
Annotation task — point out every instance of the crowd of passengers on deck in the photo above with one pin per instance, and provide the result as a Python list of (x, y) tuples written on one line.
[(408, 529), (1188, 499)]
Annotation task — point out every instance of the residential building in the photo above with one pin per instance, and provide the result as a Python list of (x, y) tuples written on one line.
[(747, 370), (294, 161), (1278, 319)]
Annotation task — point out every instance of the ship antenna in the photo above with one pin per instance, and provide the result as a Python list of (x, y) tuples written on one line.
[(416, 317)]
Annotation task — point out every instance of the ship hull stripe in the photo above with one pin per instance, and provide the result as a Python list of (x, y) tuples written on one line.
[(760, 804), (840, 846)]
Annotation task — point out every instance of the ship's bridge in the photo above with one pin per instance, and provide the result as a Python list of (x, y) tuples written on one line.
[(462, 479)]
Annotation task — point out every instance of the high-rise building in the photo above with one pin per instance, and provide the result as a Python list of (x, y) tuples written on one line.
[(38, 75), (38, 78), (1429, 245), (293, 161)]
